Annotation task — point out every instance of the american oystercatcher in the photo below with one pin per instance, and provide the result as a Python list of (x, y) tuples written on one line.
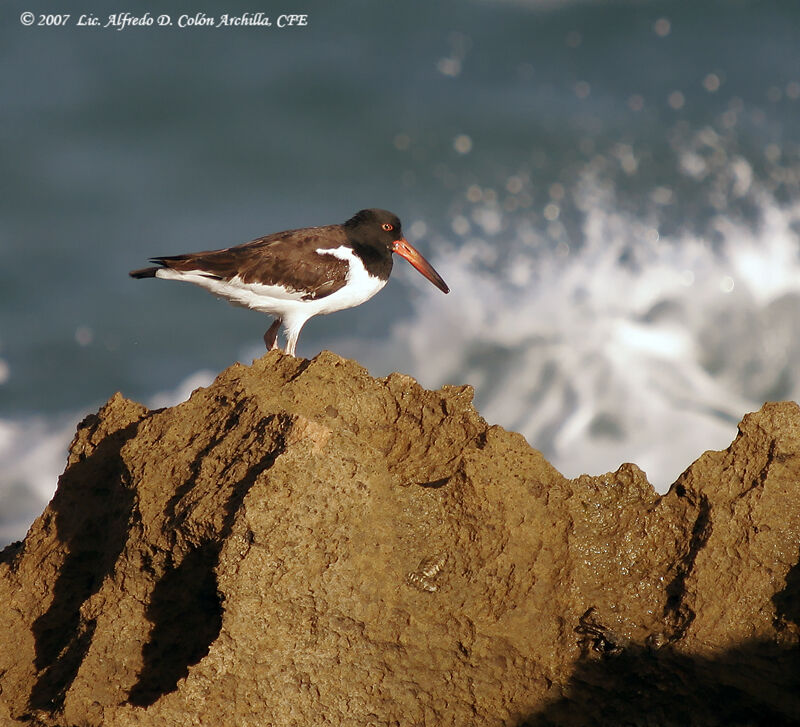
[(297, 274)]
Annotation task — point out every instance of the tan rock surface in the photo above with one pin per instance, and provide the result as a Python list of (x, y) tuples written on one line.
[(302, 544)]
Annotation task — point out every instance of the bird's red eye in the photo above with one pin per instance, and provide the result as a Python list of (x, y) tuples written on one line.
[(386, 226)]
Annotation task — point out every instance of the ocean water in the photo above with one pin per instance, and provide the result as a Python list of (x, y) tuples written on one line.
[(611, 190)]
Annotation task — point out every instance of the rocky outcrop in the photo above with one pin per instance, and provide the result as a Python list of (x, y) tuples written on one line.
[(302, 544)]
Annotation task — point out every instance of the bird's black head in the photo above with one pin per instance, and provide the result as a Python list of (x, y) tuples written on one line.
[(379, 228), (375, 234)]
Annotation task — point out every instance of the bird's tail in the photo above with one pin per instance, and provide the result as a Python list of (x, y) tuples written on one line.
[(144, 273)]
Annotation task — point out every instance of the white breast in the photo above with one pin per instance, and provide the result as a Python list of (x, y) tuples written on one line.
[(360, 285)]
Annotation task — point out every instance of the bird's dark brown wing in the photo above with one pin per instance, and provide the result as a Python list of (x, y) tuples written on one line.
[(287, 258)]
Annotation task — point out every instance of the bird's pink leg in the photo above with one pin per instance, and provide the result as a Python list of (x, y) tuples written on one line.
[(271, 336), (293, 326), (291, 342)]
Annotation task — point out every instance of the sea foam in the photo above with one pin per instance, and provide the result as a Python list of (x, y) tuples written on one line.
[(629, 347)]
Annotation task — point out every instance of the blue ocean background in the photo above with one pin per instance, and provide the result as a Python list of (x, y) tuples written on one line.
[(611, 190)]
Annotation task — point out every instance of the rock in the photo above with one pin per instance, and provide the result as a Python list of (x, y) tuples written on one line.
[(302, 544)]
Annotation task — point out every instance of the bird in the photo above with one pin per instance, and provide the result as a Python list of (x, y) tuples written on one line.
[(297, 274)]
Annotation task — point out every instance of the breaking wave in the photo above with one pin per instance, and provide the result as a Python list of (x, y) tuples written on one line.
[(630, 347)]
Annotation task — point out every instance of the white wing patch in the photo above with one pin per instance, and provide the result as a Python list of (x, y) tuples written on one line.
[(235, 290)]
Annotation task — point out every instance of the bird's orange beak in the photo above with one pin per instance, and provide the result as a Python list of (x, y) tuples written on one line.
[(404, 249)]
